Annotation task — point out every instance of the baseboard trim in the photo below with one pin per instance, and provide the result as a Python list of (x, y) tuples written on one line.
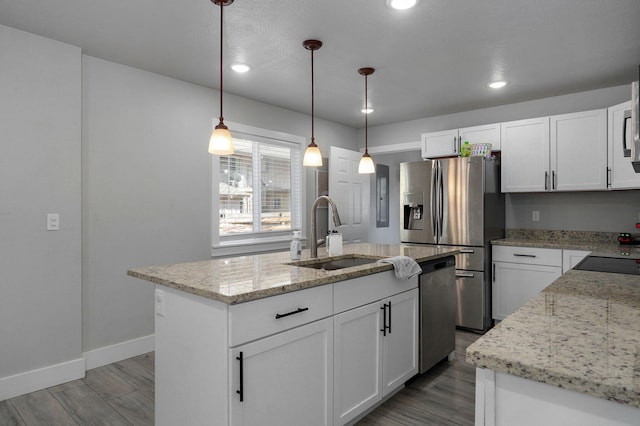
[(31, 381), (114, 353)]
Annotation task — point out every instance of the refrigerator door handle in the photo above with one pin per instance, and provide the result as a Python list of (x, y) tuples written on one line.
[(440, 203), (433, 200)]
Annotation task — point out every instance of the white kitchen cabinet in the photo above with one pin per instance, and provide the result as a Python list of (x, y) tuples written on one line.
[(448, 142), (564, 152), (376, 351), (519, 273), (284, 379), (571, 258), (621, 173), (579, 151), (525, 155)]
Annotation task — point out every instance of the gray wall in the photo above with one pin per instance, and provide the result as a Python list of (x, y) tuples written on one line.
[(121, 155), (410, 131), (40, 304), (391, 234), (612, 211), (147, 184)]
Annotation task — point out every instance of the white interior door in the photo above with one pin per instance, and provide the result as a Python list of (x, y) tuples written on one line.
[(350, 191)]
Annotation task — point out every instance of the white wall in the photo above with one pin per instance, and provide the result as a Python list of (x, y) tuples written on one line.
[(40, 304), (611, 211)]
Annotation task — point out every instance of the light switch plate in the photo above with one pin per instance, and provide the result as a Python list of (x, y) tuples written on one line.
[(53, 222), (535, 215)]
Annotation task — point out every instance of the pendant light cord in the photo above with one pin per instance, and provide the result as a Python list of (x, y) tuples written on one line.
[(312, 101), (366, 116), (221, 35)]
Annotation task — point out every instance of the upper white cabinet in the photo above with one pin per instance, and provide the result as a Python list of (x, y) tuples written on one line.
[(525, 155), (565, 152), (621, 174), (448, 142), (579, 151)]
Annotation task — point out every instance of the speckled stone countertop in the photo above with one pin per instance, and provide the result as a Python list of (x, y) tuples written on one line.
[(245, 278), (598, 243), (581, 333)]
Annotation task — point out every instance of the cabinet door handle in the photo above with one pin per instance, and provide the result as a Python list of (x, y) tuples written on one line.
[(493, 272), (389, 328), (608, 177), (553, 180), (241, 390), (524, 255), (384, 319), (455, 145), (297, 311), (546, 181)]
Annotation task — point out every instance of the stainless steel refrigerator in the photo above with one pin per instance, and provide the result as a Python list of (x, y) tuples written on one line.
[(457, 202)]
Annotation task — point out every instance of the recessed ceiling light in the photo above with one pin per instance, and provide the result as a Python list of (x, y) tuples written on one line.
[(497, 84), (240, 68), (401, 4), (367, 110)]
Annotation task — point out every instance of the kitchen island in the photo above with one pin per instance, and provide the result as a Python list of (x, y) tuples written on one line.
[(265, 340), (570, 356)]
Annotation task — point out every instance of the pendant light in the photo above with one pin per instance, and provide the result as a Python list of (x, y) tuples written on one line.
[(366, 165), (312, 156), (221, 142)]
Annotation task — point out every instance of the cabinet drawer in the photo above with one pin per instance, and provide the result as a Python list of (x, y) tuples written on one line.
[(362, 290), (527, 255), (256, 319)]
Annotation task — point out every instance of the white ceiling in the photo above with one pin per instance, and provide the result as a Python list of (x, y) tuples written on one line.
[(434, 59)]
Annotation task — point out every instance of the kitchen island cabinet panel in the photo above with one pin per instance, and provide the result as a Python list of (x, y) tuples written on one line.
[(286, 379)]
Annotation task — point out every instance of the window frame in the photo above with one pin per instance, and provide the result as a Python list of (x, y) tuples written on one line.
[(256, 241)]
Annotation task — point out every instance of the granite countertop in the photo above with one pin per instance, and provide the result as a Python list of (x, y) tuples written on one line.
[(245, 278), (598, 243), (581, 333)]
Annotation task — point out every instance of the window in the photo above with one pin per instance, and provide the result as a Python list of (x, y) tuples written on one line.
[(257, 190)]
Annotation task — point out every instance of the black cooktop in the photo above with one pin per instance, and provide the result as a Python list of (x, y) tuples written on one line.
[(617, 265)]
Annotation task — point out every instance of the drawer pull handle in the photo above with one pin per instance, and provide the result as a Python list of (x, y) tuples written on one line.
[(241, 390), (297, 311), (524, 255), (464, 275), (467, 251)]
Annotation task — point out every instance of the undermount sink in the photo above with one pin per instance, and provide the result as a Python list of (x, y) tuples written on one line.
[(331, 264)]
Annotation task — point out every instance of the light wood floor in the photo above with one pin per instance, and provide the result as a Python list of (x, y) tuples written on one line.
[(122, 394)]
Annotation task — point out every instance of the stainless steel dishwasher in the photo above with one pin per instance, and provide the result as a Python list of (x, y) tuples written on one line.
[(437, 311)]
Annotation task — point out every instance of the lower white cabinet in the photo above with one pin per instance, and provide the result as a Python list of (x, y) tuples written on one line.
[(514, 284), (519, 273), (319, 356), (376, 351), (285, 379), (571, 258)]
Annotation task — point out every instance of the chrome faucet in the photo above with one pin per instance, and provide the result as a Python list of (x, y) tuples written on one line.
[(315, 243)]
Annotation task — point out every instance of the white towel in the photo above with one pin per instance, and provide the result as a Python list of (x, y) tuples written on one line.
[(405, 267)]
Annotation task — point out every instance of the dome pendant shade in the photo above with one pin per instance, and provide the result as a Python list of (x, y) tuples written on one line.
[(366, 165), (221, 142), (312, 156)]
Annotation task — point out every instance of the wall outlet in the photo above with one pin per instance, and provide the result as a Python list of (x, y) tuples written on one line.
[(535, 215), (160, 308)]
